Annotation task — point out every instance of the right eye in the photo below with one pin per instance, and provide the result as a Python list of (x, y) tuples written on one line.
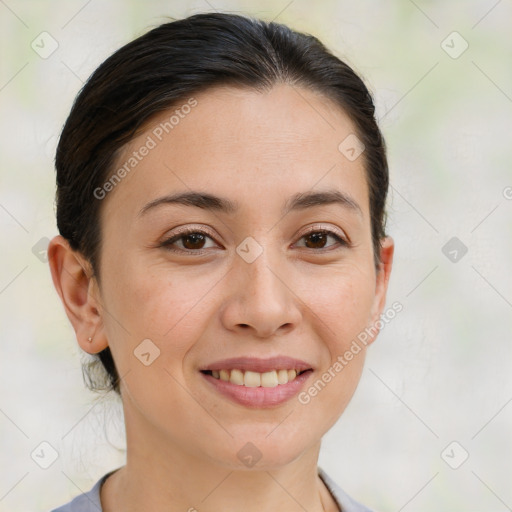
[(191, 240)]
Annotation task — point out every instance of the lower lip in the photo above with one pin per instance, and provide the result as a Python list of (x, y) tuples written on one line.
[(259, 397)]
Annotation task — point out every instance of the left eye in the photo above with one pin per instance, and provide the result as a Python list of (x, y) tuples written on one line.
[(318, 239)]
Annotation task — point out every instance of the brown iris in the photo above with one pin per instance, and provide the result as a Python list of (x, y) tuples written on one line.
[(193, 240), (318, 240)]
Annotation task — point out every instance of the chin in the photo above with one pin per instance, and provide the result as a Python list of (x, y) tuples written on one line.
[(258, 453)]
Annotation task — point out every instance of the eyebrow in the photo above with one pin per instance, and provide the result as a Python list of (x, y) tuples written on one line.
[(299, 201)]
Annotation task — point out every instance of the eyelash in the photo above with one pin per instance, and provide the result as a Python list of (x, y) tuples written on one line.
[(169, 241)]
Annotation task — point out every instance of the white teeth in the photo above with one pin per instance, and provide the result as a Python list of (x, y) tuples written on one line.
[(282, 376), (255, 379), (237, 377), (251, 379), (269, 379)]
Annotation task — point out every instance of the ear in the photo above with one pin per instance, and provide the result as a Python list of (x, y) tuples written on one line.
[(381, 286), (79, 293)]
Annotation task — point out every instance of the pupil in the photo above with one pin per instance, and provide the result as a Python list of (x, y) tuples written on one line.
[(317, 238), (196, 238)]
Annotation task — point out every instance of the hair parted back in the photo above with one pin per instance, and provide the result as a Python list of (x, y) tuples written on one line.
[(164, 67)]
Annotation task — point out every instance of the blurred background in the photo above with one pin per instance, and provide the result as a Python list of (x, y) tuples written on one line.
[(429, 427)]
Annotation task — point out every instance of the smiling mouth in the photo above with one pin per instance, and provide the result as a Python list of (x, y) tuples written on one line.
[(252, 379)]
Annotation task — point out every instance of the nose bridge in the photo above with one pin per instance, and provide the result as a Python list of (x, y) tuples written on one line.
[(259, 278)]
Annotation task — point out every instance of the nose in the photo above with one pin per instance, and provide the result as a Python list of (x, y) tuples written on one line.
[(261, 301)]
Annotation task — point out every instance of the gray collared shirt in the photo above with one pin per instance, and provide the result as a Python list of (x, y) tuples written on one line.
[(90, 501)]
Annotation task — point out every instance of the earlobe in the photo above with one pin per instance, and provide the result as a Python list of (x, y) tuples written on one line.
[(76, 288)]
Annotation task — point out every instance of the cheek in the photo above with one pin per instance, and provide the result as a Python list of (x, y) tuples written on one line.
[(340, 309), (340, 302), (163, 306), (169, 309)]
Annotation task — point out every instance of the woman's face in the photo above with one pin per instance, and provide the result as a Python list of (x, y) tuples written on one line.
[(257, 280)]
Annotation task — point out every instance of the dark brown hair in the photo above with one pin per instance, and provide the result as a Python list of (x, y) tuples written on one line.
[(166, 66)]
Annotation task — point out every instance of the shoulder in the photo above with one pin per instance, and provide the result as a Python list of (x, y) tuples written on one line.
[(344, 501), (87, 501)]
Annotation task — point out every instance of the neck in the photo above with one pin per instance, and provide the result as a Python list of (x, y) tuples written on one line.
[(174, 479)]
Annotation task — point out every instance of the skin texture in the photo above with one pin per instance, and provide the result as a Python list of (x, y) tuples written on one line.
[(182, 436)]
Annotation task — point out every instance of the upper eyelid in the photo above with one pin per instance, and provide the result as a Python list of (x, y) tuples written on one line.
[(318, 227)]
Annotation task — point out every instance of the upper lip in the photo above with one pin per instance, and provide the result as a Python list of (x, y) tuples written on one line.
[(255, 364)]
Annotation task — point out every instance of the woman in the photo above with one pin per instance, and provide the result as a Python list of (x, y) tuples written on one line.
[(221, 207)]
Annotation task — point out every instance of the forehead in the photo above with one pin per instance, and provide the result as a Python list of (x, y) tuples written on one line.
[(261, 146)]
